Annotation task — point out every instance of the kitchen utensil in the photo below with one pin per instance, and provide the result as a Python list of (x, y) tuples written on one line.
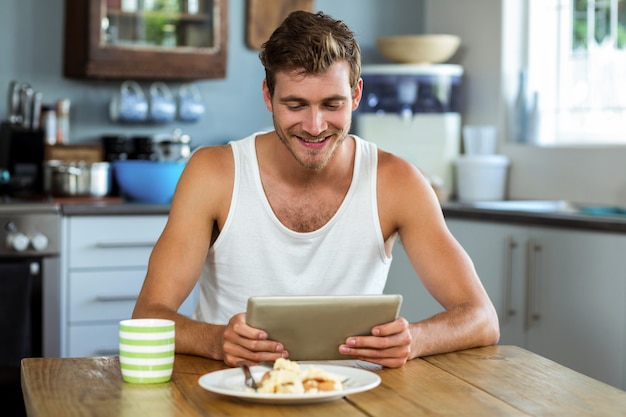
[(115, 147), (174, 147), (129, 104), (162, 103), (77, 179), (26, 105), (148, 181), (479, 139), (481, 177), (190, 106), (418, 49), (13, 103), (36, 110), (249, 379), (142, 147)]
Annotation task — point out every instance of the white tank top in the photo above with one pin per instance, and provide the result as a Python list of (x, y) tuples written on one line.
[(255, 254)]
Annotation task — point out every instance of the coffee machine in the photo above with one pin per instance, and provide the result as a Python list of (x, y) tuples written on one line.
[(414, 111), (21, 160)]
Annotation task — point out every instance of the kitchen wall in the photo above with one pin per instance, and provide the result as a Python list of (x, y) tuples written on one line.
[(31, 49)]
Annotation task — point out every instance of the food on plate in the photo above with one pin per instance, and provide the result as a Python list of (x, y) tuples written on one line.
[(288, 377)]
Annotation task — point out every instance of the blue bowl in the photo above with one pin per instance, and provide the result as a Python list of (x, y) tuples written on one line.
[(148, 181)]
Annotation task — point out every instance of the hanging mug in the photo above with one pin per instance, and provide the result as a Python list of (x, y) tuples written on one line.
[(129, 104), (162, 103), (190, 106)]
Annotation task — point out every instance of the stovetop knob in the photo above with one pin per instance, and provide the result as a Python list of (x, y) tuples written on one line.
[(18, 241), (39, 241)]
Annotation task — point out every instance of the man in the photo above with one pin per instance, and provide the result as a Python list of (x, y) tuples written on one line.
[(308, 209)]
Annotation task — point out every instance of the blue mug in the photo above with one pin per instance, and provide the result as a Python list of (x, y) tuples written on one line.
[(129, 104), (190, 106), (162, 103)]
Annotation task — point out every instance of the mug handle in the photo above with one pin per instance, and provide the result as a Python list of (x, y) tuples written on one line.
[(189, 89), (159, 88), (132, 87)]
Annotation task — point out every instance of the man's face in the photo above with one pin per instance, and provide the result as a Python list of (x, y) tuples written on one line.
[(312, 113)]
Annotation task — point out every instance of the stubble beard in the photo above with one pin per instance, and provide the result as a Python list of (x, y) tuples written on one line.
[(311, 159)]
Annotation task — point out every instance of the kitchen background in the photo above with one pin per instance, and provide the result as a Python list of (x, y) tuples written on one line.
[(32, 51)]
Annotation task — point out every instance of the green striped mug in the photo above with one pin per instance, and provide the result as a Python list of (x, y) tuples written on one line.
[(146, 350)]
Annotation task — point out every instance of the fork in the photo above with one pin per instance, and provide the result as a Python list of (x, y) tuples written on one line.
[(249, 379)]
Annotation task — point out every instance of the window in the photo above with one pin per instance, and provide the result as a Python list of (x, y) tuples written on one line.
[(577, 66)]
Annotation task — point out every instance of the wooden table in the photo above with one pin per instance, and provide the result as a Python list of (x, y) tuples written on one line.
[(489, 381)]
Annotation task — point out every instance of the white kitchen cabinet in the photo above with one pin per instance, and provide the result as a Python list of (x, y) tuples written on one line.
[(558, 292), (498, 253), (103, 264), (417, 303)]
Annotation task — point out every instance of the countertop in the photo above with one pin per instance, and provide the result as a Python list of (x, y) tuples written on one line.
[(488, 381), (121, 207), (452, 210), (565, 219)]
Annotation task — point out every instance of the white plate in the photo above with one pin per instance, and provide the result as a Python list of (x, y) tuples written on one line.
[(230, 382)]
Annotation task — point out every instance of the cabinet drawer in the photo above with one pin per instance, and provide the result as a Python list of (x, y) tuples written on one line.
[(90, 339), (111, 241), (104, 295), (110, 295), (100, 340)]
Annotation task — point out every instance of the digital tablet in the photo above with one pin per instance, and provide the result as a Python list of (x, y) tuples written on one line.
[(313, 327)]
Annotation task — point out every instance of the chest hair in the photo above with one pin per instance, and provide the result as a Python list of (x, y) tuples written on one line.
[(307, 210)]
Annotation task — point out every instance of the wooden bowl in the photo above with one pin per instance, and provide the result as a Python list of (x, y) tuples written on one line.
[(418, 49)]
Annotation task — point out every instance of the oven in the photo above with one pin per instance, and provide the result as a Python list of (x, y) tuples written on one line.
[(29, 289)]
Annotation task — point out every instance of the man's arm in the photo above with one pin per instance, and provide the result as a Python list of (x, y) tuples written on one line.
[(408, 204), (198, 212), (178, 256), (444, 267)]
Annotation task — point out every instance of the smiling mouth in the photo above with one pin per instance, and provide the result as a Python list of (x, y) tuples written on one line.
[(314, 141)]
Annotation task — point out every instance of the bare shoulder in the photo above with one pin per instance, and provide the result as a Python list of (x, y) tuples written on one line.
[(397, 176), (212, 157), (210, 165), (405, 196), (205, 187)]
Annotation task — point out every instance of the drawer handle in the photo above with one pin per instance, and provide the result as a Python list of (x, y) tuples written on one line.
[(508, 279), (118, 245), (110, 298), (106, 352), (531, 283)]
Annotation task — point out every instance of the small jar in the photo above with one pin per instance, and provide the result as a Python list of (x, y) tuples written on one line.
[(169, 35), (192, 6), (63, 120)]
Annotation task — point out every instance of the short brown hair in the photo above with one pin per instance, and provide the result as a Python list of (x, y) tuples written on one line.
[(311, 42)]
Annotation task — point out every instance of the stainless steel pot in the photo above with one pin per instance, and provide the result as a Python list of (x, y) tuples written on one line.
[(77, 179), (174, 147)]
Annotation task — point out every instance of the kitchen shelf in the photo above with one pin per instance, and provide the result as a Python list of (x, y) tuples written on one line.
[(105, 42)]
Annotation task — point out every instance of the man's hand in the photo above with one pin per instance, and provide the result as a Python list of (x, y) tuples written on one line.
[(241, 342), (389, 345)]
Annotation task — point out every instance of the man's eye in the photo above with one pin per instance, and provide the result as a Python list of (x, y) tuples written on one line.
[(333, 106), (295, 106)]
